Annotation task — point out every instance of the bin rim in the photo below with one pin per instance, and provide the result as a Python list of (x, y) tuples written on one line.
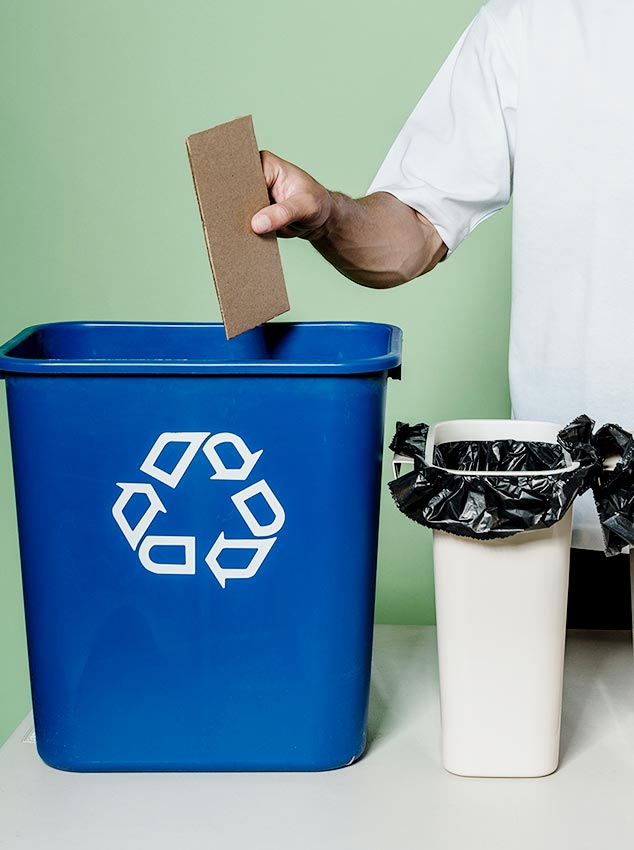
[(485, 473), (388, 361)]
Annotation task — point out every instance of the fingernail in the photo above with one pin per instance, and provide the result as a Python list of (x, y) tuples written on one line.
[(262, 223)]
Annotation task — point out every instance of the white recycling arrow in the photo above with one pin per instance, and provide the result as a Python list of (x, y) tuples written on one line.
[(155, 507), (240, 473), (187, 544), (194, 439), (261, 547), (260, 488)]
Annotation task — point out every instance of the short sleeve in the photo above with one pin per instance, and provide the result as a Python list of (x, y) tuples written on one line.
[(453, 159)]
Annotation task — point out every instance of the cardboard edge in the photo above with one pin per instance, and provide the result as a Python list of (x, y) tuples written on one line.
[(204, 228)]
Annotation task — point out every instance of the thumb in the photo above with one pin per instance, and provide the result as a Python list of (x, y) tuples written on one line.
[(299, 207)]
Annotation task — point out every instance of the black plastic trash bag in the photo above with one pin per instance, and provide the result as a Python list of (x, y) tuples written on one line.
[(498, 506), (612, 480), (480, 506)]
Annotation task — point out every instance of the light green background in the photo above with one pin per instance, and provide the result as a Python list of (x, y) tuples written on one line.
[(99, 218)]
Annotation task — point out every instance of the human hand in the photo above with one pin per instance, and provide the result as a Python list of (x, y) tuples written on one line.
[(300, 205)]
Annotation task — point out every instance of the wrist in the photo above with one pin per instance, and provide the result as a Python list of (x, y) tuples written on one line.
[(332, 204)]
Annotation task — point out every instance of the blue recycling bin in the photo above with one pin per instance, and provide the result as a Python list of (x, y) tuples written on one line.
[(198, 534)]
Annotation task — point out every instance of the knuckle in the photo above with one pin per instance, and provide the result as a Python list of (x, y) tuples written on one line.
[(287, 212)]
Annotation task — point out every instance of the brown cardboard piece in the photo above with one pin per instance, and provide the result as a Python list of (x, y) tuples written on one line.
[(230, 187)]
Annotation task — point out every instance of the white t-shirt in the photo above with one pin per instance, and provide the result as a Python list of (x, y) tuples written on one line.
[(536, 99)]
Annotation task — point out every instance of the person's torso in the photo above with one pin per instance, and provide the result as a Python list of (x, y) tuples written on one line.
[(573, 237)]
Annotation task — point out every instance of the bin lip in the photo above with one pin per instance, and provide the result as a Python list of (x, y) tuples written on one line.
[(509, 473), (10, 364)]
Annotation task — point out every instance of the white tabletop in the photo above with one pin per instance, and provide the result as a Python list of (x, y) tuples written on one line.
[(396, 798)]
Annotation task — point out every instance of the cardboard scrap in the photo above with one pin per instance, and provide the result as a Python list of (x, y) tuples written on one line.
[(230, 187)]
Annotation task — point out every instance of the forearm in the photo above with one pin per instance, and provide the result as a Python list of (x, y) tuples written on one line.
[(378, 241)]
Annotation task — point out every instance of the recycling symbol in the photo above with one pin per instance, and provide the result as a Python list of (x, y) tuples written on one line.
[(263, 536)]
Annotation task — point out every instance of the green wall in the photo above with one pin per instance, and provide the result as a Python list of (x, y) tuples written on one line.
[(99, 218)]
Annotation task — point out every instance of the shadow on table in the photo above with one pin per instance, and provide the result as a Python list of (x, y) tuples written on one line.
[(399, 672), (598, 689)]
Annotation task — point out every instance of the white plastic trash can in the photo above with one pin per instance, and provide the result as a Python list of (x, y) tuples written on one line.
[(501, 624)]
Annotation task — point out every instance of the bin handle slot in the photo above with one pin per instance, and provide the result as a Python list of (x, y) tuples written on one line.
[(549, 431)]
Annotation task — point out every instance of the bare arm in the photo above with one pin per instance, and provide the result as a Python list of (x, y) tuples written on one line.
[(377, 241)]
